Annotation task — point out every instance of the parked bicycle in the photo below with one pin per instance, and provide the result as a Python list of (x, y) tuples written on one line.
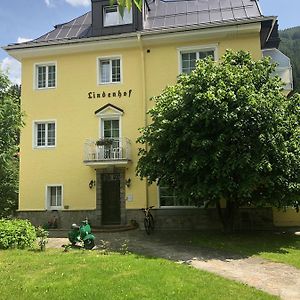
[(148, 220)]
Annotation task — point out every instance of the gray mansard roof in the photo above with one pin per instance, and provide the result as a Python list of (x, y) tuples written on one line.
[(164, 15), (80, 27), (168, 14)]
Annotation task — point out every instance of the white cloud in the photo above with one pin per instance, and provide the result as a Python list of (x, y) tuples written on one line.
[(49, 3), (12, 68), (78, 2), (23, 40)]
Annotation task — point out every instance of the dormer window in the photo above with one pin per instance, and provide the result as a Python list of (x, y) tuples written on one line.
[(112, 16)]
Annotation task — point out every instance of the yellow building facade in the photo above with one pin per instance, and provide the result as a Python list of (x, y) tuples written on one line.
[(86, 88)]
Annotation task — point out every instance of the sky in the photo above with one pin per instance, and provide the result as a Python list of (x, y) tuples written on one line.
[(22, 20)]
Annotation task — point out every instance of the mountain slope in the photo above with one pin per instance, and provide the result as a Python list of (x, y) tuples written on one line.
[(290, 46)]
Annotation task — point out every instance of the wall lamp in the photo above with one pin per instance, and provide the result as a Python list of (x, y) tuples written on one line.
[(92, 183), (128, 182)]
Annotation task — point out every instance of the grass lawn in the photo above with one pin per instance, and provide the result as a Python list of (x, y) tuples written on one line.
[(279, 247), (89, 275)]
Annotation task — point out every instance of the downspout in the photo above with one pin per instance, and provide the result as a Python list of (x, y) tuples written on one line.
[(145, 107)]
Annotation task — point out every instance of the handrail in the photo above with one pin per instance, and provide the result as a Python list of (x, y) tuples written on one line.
[(107, 149)]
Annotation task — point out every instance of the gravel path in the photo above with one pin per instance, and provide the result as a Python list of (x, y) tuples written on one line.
[(274, 278)]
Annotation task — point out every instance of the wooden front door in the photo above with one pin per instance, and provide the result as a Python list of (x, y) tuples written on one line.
[(111, 204)]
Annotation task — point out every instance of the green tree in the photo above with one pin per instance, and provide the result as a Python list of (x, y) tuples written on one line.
[(225, 132), (127, 4), (10, 123)]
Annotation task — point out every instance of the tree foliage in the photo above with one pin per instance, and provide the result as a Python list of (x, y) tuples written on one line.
[(225, 131), (10, 123), (127, 4)]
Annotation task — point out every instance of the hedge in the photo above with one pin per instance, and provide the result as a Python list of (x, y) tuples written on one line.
[(16, 233)]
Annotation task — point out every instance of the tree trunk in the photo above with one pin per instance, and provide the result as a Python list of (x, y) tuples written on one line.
[(227, 215), (220, 213)]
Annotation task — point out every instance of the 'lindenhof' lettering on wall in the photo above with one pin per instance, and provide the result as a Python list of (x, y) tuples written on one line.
[(115, 94)]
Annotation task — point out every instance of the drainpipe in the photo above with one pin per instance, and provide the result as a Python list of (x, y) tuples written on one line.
[(145, 108)]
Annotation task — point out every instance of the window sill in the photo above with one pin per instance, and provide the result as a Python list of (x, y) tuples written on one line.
[(107, 83), (116, 25), (55, 208), (44, 147), (45, 88)]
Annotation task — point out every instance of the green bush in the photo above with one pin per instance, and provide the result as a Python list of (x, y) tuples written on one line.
[(16, 234), (42, 236)]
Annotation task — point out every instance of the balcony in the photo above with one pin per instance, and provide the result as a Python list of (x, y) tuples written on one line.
[(283, 69), (106, 151)]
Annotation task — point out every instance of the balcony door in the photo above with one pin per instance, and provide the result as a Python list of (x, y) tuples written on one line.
[(111, 129), (111, 134)]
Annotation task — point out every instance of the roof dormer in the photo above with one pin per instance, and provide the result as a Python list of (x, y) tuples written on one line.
[(107, 20)]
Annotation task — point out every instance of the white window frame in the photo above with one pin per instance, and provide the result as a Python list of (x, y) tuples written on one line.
[(34, 134), (112, 118), (108, 118), (47, 65), (110, 58), (47, 198), (182, 50), (120, 20), (172, 206), (175, 206), (117, 115)]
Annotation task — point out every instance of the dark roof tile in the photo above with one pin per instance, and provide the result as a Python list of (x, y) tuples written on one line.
[(203, 17), (192, 6), (225, 4), (214, 4), (181, 7), (227, 14), (192, 19), (181, 20), (170, 21), (239, 13)]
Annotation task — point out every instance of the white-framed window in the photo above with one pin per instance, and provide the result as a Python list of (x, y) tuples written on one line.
[(109, 70), (111, 128), (189, 57), (45, 75), (167, 198), (44, 134), (110, 132), (54, 196), (112, 16)]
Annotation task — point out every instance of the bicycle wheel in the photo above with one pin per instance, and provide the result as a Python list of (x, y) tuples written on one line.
[(151, 222), (147, 225)]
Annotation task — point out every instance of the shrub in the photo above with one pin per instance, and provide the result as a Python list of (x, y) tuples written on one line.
[(42, 236), (16, 234)]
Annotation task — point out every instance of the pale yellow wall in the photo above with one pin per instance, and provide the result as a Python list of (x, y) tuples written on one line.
[(286, 218), (74, 112)]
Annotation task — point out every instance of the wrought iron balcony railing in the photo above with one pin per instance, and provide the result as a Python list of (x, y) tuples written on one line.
[(107, 150)]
